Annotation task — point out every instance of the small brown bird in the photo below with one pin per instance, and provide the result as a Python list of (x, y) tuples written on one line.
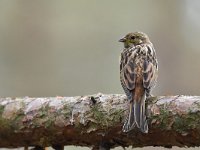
[(138, 75)]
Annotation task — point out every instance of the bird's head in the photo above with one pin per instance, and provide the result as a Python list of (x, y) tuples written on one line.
[(133, 39)]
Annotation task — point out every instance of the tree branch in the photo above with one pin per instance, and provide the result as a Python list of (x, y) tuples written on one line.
[(97, 120)]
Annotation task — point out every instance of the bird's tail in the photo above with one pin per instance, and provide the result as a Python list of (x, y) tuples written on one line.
[(129, 123), (140, 114), (137, 115)]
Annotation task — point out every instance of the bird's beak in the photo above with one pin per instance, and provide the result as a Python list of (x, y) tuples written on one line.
[(122, 39)]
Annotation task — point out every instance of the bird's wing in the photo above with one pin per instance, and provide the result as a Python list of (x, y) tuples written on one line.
[(150, 72), (127, 74)]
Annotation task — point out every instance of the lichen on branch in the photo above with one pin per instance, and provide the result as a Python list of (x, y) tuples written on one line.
[(95, 119)]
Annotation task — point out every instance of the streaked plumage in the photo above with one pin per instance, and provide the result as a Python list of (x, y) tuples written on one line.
[(138, 74)]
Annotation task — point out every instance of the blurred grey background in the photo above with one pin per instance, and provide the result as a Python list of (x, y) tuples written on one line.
[(67, 48)]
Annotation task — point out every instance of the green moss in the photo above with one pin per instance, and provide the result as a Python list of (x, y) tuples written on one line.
[(117, 116), (67, 111), (163, 118), (7, 126), (1, 110), (104, 119), (16, 123), (1, 119), (13, 123), (180, 123), (186, 122), (99, 116), (43, 117), (4, 123)]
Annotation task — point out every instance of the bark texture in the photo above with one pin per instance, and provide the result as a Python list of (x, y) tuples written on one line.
[(96, 121)]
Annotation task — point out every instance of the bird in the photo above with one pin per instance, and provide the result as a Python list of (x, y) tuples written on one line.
[(138, 75)]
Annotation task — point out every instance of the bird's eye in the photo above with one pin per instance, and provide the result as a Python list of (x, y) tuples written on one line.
[(133, 37)]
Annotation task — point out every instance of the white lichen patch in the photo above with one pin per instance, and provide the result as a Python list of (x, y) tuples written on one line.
[(103, 98), (184, 104), (11, 109), (27, 100), (164, 100), (72, 120), (56, 103), (71, 99), (6, 101), (36, 104), (80, 109), (82, 119), (110, 102), (122, 98), (180, 104)]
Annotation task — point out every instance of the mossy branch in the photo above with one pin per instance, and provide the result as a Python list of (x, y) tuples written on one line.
[(97, 119)]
